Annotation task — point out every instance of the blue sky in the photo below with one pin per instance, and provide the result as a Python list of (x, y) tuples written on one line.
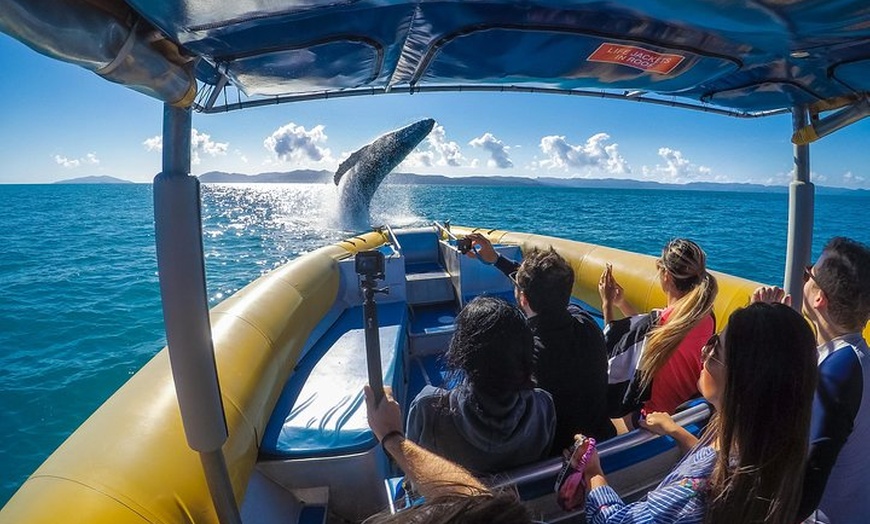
[(60, 121)]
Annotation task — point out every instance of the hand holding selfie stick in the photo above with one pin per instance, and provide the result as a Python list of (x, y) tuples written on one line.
[(370, 265)]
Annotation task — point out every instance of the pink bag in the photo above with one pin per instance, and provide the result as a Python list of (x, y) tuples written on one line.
[(571, 483)]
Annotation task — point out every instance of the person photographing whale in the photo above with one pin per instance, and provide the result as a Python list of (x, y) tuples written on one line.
[(570, 359)]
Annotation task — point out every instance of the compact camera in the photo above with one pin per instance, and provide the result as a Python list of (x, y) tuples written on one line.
[(463, 245), (370, 264)]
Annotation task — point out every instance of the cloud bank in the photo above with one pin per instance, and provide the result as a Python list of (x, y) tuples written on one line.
[(597, 154), (439, 151), (200, 144), (294, 143), (677, 169), (499, 156), (71, 163)]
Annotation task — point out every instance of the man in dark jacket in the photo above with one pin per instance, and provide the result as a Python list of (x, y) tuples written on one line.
[(570, 356)]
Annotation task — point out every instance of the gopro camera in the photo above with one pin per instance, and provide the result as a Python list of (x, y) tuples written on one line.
[(463, 245), (370, 264)]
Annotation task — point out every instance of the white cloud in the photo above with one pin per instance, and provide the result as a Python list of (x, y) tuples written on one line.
[(447, 153), (439, 151), (596, 153), (200, 143), (71, 163), (419, 159), (294, 143), (498, 151), (677, 169), (852, 179), (67, 162), (155, 143)]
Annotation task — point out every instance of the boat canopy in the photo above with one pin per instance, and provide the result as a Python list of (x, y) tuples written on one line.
[(744, 58)]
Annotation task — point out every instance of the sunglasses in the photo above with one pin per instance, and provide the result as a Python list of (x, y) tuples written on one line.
[(513, 277), (708, 352), (808, 275)]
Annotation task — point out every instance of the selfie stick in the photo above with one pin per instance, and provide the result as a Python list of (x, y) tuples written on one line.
[(373, 340)]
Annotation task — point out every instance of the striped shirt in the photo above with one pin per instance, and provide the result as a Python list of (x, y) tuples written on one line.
[(678, 498)]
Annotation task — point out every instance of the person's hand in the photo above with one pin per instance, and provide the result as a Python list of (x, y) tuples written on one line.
[(771, 295), (659, 423), (608, 288), (481, 248), (593, 466), (386, 417), (593, 463), (573, 454)]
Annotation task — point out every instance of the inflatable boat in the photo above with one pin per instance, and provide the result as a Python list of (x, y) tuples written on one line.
[(253, 413), (291, 356)]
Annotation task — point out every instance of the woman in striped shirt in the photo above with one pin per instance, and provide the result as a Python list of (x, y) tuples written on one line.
[(759, 377)]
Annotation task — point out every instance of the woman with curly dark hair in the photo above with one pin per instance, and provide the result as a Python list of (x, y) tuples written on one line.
[(494, 418)]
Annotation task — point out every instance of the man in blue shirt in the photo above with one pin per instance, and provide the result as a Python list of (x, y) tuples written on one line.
[(837, 302)]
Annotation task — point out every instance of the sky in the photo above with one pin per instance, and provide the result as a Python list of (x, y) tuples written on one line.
[(59, 121)]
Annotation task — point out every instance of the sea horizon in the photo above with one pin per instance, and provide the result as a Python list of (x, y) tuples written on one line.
[(305, 176)]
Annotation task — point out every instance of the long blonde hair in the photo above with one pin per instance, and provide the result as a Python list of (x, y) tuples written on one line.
[(686, 263)]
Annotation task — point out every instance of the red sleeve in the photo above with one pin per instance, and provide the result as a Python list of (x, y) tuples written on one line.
[(677, 381)]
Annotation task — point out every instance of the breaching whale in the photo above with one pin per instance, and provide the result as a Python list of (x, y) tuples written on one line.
[(359, 176)]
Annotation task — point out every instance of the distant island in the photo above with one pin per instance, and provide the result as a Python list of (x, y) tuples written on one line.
[(310, 176), (94, 179), (307, 176)]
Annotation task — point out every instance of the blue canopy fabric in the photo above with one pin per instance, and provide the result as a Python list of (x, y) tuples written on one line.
[(739, 57), (746, 56)]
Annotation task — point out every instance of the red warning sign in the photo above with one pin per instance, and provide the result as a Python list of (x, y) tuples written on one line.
[(636, 57)]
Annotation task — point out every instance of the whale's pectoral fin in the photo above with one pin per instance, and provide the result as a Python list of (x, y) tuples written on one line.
[(345, 166)]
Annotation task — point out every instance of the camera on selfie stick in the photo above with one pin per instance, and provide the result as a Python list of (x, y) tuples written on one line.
[(371, 265)]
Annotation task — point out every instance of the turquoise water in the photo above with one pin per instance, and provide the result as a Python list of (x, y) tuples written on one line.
[(78, 285)]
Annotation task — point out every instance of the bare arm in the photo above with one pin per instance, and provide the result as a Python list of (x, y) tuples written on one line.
[(612, 294), (663, 424), (433, 476)]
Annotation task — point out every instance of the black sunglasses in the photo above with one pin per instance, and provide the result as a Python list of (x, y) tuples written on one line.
[(808, 275)]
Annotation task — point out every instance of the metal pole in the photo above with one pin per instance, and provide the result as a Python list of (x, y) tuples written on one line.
[(373, 340), (181, 269), (800, 215)]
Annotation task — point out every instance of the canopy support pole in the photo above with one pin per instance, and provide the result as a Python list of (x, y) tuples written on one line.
[(801, 195), (181, 269)]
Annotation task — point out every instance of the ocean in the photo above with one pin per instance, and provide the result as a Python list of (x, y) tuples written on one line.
[(79, 302)]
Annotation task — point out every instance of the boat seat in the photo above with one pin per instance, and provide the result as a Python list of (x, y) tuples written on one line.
[(429, 287), (431, 328), (321, 411), (634, 462)]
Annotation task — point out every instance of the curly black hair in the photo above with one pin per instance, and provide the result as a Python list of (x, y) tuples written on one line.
[(492, 347)]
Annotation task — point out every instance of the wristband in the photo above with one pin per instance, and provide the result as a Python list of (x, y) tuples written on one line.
[(391, 434)]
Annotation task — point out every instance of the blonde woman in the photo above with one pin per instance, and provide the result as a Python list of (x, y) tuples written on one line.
[(665, 346)]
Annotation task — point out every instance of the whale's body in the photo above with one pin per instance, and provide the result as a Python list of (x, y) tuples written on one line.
[(359, 176)]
